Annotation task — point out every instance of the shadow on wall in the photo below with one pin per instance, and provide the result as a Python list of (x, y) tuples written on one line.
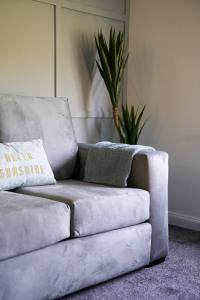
[(92, 130), (98, 124), (96, 99), (81, 45)]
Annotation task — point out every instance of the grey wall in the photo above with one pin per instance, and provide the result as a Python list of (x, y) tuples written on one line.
[(164, 73), (47, 49)]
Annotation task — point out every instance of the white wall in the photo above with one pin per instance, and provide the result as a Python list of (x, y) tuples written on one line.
[(164, 73), (47, 49)]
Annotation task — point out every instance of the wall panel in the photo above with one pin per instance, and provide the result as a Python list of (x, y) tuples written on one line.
[(27, 47), (81, 81), (117, 6), (47, 49)]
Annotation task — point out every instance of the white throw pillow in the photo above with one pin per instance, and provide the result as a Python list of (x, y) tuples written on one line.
[(24, 164)]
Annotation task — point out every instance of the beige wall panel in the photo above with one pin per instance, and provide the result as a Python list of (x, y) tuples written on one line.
[(92, 130), (27, 47), (81, 81), (117, 6), (164, 73), (27, 56)]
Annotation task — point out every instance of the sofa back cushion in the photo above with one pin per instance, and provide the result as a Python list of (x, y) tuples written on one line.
[(25, 118)]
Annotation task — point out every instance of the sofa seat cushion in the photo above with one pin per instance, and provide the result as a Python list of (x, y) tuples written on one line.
[(28, 223), (96, 208)]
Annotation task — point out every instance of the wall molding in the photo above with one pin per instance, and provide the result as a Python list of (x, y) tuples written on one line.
[(184, 221), (93, 11), (91, 114), (84, 8), (52, 2)]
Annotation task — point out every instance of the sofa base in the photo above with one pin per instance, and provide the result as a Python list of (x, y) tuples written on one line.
[(74, 264), (156, 262)]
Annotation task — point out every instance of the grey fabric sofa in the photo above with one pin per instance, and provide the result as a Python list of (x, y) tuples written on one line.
[(60, 238)]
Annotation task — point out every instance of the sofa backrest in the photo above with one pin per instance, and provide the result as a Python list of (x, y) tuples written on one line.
[(25, 118)]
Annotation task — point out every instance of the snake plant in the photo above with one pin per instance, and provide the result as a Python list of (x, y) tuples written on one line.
[(130, 123), (113, 58)]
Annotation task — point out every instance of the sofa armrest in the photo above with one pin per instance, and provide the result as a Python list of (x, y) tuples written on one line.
[(82, 156), (149, 172)]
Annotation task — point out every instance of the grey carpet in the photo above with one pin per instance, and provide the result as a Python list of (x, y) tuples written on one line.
[(177, 278)]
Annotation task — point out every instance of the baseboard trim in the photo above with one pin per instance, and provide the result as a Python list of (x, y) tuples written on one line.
[(184, 221)]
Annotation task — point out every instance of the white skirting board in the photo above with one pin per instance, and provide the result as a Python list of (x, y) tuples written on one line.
[(184, 221)]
